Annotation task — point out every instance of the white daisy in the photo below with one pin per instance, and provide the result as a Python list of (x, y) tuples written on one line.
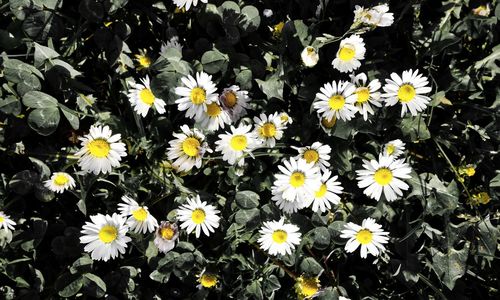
[(197, 215), (234, 101), (101, 150), (59, 182), (351, 51), (378, 16), (196, 95), (394, 148), (142, 98), (187, 149), (409, 90), (236, 144), (296, 186), (187, 3), (336, 100), (366, 94), (278, 237), (138, 217), (369, 235), (214, 118), (105, 236), (384, 175), (165, 236), (328, 193), (269, 129), (285, 119), (6, 222), (309, 56), (318, 154)]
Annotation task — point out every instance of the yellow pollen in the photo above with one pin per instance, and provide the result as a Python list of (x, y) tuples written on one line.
[(336, 102), (213, 109), (297, 179), (61, 179), (198, 96), (144, 60), (363, 95), (208, 280), (230, 99), (108, 233), (406, 93), (328, 123), (267, 130), (278, 28), (191, 146), (140, 214), (167, 233), (383, 176), (308, 286), (238, 142), (147, 96), (284, 118), (310, 50), (364, 236), (99, 148), (198, 216), (321, 192), (346, 53), (390, 149), (2, 219), (279, 236), (311, 156)]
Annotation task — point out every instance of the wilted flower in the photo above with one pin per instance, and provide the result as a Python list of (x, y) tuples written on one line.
[(309, 56), (165, 236)]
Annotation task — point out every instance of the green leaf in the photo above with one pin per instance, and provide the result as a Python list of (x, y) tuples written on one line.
[(44, 120), (247, 199), (443, 199), (37, 99), (214, 61), (254, 290), (42, 54), (94, 285), (272, 87), (10, 105), (321, 237), (71, 116), (250, 20), (69, 285), (415, 129), (82, 265), (310, 266), (450, 266), (244, 216)]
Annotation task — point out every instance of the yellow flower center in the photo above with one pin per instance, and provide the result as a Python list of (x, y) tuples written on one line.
[(336, 102), (230, 99), (279, 236), (2, 219), (208, 280), (108, 233), (321, 192), (311, 156), (328, 123), (167, 233), (346, 53), (140, 214), (267, 130), (144, 60), (213, 109), (191, 146), (284, 118), (383, 176), (308, 286), (99, 148), (61, 179), (198, 95), (238, 142), (198, 216), (406, 93), (310, 50), (297, 179), (390, 149), (147, 96), (483, 198), (363, 95), (364, 236)]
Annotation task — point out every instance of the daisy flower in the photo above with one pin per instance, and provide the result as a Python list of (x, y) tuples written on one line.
[(59, 182), (318, 154), (142, 98), (143, 60), (101, 150), (384, 175), (236, 144), (214, 118), (328, 193), (6, 222), (296, 185), (378, 16), (285, 119), (309, 56), (278, 237), (187, 149), (369, 235), (336, 100), (409, 90), (367, 94), (394, 148), (269, 129), (234, 101), (196, 95), (105, 237), (139, 218), (307, 286), (165, 236), (197, 215), (351, 51), (187, 3)]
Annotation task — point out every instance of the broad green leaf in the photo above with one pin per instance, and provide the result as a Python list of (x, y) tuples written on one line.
[(250, 20), (214, 61), (37, 99), (450, 266), (272, 87), (71, 116), (43, 53), (94, 285), (247, 199), (44, 120)]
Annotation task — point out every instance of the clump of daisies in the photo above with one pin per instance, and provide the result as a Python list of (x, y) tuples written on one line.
[(351, 51), (196, 94), (336, 101), (370, 236), (187, 149), (236, 144), (138, 217), (278, 237), (59, 182), (141, 98), (101, 150), (198, 216), (367, 94), (269, 129)]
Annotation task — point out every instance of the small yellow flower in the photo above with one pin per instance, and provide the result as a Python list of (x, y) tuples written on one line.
[(208, 280), (143, 60), (468, 170), (277, 29), (479, 198), (307, 286)]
